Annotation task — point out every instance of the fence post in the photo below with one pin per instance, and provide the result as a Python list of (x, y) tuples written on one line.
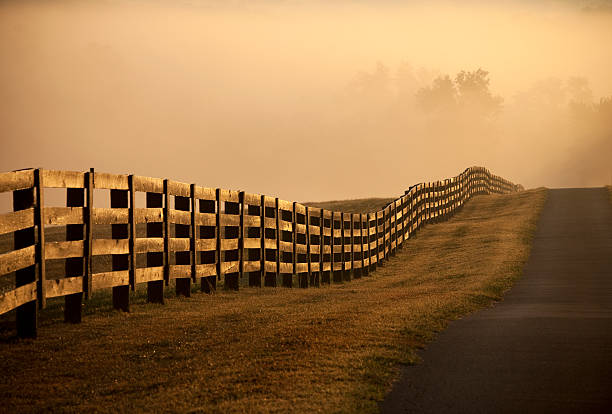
[(155, 288), (74, 266), (194, 233), (183, 285), (121, 294), (39, 222), (166, 234), (132, 224), (26, 314), (278, 281), (321, 244), (364, 271), (308, 255), (294, 247), (262, 236), (87, 288), (241, 239), (219, 253)]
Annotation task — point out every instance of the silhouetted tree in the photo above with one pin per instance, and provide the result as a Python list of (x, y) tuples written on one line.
[(467, 94), (440, 96), (474, 95)]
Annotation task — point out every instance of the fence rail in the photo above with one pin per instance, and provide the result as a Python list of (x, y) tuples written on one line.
[(186, 232)]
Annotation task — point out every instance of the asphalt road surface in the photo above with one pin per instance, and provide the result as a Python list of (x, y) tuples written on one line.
[(547, 347)]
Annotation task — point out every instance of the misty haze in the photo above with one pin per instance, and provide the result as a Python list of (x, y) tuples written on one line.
[(300, 206), (305, 92)]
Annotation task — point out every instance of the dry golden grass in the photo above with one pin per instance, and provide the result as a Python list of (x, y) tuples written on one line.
[(360, 205), (332, 349)]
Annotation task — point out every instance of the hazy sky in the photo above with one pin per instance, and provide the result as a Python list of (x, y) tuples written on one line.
[(257, 95)]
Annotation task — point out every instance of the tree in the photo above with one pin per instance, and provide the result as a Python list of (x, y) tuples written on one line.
[(468, 94), (440, 96), (474, 94)]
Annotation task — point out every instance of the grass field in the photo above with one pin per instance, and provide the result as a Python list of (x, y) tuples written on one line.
[(360, 205), (329, 349)]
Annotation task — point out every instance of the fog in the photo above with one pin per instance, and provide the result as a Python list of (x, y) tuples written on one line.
[(309, 100)]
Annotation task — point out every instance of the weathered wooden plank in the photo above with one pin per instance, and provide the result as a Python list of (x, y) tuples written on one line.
[(16, 180), (301, 267), (110, 279), (206, 244), (205, 270), (176, 188), (111, 181), (110, 246), (270, 266), (17, 297), (300, 208), (301, 248), (230, 219), (17, 259), (204, 193), (230, 267), (16, 220), (62, 216), (270, 223), (229, 195), (315, 249), (314, 266), (148, 215), (269, 202), (110, 215), (252, 199), (286, 267), (252, 221), (178, 244), (314, 230), (63, 179), (251, 266), (252, 243), (63, 287), (229, 244), (182, 271), (327, 266), (300, 228), (148, 244), (285, 246), (148, 184), (206, 219), (179, 217), (64, 249), (148, 274), (285, 205), (285, 225), (270, 243)]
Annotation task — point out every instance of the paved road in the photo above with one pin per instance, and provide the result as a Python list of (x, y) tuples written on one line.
[(547, 347)]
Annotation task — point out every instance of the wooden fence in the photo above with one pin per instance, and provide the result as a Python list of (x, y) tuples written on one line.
[(187, 232)]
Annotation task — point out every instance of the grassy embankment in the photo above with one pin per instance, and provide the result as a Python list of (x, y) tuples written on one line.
[(278, 350)]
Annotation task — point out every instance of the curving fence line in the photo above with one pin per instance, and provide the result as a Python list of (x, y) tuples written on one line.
[(185, 232)]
